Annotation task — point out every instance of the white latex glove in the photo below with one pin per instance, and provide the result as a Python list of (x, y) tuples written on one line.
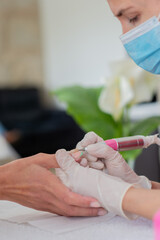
[(116, 165), (108, 190), (89, 160)]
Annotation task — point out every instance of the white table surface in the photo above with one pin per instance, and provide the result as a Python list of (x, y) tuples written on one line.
[(114, 229)]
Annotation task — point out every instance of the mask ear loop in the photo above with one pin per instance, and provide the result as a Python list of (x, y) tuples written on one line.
[(159, 18)]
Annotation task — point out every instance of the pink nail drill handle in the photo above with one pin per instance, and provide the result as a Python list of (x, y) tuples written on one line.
[(112, 143), (156, 224), (133, 142), (126, 143)]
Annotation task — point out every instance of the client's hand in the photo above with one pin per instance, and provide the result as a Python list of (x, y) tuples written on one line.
[(113, 160), (109, 190), (29, 182)]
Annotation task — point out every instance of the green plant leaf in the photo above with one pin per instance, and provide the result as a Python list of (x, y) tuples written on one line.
[(145, 127), (82, 105)]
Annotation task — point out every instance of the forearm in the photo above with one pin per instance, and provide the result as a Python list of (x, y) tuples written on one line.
[(142, 202)]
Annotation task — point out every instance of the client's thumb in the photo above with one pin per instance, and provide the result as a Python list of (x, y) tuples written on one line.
[(65, 160)]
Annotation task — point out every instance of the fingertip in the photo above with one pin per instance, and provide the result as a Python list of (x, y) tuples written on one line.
[(99, 139), (64, 159), (89, 157), (99, 165), (77, 155), (81, 201), (86, 212), (84, 162), (95, 205), (78, 146), (92, 212), (88, 139), (102, 212), (60, 152)]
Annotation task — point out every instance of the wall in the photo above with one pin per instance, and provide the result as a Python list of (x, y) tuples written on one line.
[(80, 38), (20, 44)]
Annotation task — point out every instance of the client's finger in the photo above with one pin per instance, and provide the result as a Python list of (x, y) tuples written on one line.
[(84, 162)]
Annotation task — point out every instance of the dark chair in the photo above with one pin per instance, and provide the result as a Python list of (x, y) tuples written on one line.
[(42, 129)]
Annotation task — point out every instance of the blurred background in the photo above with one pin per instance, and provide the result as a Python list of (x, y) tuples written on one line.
[(45, 45)]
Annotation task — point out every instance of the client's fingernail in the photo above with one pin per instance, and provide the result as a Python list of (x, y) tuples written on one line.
[(95, 205), (102, 212), (77, 155)]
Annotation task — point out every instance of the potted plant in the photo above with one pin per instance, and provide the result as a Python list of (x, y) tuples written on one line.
[(106, 109)]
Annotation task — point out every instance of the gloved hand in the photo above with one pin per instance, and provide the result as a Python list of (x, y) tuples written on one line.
[(108, 190), (116, 165), (88, 159), (113, 161)]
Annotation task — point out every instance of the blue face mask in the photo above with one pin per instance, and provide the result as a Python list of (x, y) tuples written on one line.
[(143, 45)]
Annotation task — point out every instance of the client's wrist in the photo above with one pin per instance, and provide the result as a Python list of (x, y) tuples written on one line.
[(133, 201), (128, 200)]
